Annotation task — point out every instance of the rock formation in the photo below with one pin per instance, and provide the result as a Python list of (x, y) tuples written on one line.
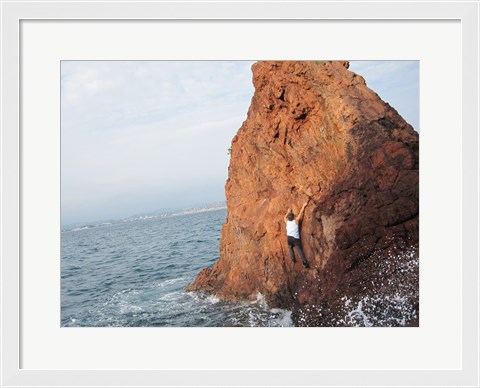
[(316, 132)]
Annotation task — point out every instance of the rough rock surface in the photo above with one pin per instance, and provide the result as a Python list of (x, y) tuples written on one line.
[(315, 131)]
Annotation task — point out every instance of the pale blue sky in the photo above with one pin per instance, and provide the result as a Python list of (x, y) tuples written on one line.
[(396, 82), (144, 135)]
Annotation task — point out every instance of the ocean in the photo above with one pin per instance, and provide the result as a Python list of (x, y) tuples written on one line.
[(133, 273)]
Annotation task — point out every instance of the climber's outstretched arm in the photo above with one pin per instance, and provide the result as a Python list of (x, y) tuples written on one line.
[(286, 215), (300, 215)]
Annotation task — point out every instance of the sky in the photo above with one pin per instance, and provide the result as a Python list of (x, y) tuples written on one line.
[(143, 136)]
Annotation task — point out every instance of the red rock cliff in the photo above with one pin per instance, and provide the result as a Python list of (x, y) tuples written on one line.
[(316, 131)]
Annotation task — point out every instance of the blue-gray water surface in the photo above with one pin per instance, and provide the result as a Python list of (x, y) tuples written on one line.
[(135, 273)]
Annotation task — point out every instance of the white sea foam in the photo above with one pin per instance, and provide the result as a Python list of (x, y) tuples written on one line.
[(284, 318), (200, 297), (276, 317), (382, 308), (171, 296), (379, 311), (213, 299), (261, 300), (169, 282), (389, 297)]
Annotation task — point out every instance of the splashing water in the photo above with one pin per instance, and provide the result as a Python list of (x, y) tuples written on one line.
[(382, 307), (389, 296)]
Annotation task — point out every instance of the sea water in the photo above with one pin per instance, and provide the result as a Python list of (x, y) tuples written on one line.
[(133, 273)]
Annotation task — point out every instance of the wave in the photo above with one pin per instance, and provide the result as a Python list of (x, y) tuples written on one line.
[(242, 314), (166, 303)]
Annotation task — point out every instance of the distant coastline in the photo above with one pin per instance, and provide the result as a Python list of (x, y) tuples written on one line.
[(75, 227)]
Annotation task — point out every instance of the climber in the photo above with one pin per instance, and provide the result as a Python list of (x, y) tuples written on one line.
[(293, 233)]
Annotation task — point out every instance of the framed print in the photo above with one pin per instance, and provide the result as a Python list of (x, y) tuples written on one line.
[(56, 59)]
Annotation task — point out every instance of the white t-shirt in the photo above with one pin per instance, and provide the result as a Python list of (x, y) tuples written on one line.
[(292, 229)]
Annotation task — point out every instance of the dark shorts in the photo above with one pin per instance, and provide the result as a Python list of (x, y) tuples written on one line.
[(292, 241)]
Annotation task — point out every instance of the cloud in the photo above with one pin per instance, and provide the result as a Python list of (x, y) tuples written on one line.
[(163, 128)]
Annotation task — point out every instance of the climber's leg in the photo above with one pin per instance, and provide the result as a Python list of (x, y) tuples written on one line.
[(298, 245), (291, 243)]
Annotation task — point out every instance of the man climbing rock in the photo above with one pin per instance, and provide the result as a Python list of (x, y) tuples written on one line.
[(293, 233)]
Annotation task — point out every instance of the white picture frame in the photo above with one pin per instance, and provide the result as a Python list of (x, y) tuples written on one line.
[(17, 217)]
